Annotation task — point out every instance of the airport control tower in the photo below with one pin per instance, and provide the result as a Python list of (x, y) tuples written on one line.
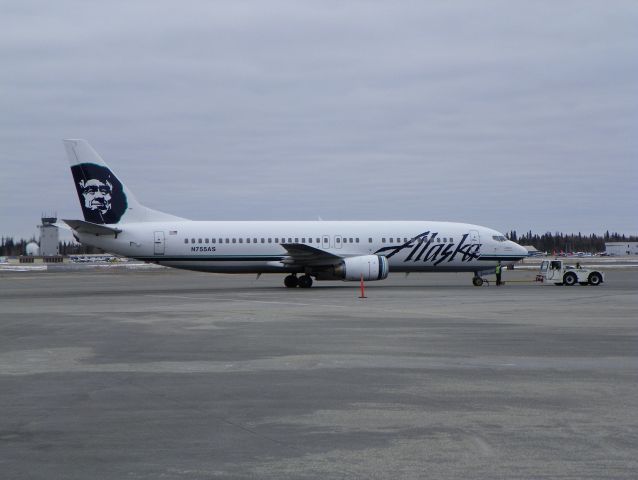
[(49, 236)]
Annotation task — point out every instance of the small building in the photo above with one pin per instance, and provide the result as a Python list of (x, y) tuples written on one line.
[(621, 248), (32, 249), (49, 237)]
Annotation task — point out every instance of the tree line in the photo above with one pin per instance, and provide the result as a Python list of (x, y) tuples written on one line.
[(569, 242), (13, 248), (546, 242)]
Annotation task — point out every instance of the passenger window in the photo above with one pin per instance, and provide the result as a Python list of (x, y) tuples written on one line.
[(357, 239), (309, 240), (270, 240), (199, 240), (228, 240), (276, 240), (234, 240), (391, 239), (186, 240), (255, 240), (192, 240), (303, 240), (213, 240), (451, 240), (351, 240), (383, 240), (289, 240), (318, 240), (438, 240), (248, 240), (338, 240), (263, 240), (206, 240), (370, 240), (241, 240), (444, 239)]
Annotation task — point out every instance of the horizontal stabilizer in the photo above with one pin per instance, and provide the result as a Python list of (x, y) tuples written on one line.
[(81, 226)]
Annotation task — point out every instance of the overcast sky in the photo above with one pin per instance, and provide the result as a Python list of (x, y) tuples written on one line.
[(512, 115)]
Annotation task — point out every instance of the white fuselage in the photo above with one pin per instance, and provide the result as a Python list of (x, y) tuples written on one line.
[(256, 246)]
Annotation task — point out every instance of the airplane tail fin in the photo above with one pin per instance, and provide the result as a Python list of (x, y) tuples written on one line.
[(103, 197)]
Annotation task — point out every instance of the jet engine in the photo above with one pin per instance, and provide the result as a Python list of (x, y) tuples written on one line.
[(372, 267)]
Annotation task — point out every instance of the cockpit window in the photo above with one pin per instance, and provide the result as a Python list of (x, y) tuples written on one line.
[(499, 238)]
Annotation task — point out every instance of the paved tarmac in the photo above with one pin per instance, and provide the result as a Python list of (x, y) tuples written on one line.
[(180, 375)]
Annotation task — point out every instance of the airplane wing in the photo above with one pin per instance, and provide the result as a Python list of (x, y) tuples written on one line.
[(81, 226), (300, 254)]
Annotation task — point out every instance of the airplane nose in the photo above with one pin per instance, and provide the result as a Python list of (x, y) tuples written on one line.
[(522, 251)]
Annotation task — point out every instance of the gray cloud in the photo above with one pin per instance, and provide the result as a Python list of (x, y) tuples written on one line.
[(507, 114)]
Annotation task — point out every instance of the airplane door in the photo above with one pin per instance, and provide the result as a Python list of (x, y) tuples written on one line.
[(159, 243), (325, 241), (474, 236), (337, 241)]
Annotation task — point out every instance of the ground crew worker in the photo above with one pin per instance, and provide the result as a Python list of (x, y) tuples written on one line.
[(499, 270)]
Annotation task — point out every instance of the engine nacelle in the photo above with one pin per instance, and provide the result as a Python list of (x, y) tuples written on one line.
[(372, 267)]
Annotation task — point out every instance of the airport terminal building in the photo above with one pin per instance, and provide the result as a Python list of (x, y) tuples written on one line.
[(621, 248)]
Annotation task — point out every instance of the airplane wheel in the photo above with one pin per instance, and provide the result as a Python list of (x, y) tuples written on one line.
[(291, 281), (595, 279), (477, 281), (305, 281)]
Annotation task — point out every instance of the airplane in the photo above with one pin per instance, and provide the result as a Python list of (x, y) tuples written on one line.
[(116, 222)]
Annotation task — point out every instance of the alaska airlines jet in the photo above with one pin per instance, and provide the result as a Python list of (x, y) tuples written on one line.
[(324, 250)]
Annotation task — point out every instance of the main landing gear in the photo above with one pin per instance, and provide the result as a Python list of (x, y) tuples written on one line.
[(291, 281)]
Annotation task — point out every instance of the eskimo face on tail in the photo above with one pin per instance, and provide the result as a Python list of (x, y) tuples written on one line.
[(97, 195), (100, 192)]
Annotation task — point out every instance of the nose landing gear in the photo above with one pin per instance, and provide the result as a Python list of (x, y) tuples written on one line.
[(477, 280)]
